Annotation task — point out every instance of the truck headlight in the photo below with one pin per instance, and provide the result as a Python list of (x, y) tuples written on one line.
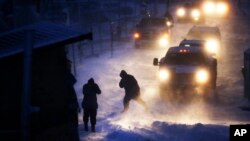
[(163, 41), (181, 12), (221, 8), (209, 7), (202, 76), (212, 46), (136, 35), (164, 74), (168, 23), (195, 13)]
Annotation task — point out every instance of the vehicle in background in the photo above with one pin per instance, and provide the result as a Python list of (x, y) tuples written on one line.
[(169, 19), (190, 12), (210, 34), (187, 69), (216, 8), (152, 31)]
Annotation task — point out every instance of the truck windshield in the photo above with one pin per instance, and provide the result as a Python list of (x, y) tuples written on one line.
[(202, 35), (185, 59)]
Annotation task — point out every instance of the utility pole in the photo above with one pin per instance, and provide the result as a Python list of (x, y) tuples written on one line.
[(111, 38), (167, 4), (155, 9), (25, 107)]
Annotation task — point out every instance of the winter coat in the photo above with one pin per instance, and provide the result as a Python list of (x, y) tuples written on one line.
[(90, 90), (129, 83)]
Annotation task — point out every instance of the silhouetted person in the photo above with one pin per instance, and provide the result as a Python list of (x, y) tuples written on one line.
[(89, 103), (132, 90)]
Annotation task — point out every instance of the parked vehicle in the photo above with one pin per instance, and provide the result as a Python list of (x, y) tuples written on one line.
[(152, 32), (190, 12)]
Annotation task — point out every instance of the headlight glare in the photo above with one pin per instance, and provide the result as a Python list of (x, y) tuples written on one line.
[(136, 35), (195, 13), (164, 40), (221, 8), (169, 23), (181, 12), (164, 74), (212, 46), (209, 7), (202, 76)]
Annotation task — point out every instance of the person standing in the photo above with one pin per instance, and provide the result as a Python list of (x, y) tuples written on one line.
[(89, 103), (132, 90)]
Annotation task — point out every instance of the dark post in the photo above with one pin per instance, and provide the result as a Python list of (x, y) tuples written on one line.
[(155, 10), (246, 74), (25, 111), (111, 38), (167, 4), (74, 59)]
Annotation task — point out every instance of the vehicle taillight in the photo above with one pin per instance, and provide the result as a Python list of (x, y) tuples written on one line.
[(184, 51)]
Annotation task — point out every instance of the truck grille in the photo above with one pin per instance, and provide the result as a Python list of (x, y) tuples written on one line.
[(183, 78), (148, 35)]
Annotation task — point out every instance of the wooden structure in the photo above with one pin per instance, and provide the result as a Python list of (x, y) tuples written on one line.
[(38, 101)]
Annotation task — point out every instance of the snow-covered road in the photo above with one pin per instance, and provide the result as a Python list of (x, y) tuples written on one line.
[(166, 120)]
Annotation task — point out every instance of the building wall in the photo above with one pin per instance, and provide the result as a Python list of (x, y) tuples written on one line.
[(52, 93)]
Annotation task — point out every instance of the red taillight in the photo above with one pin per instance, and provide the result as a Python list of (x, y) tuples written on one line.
[(184, 51)]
